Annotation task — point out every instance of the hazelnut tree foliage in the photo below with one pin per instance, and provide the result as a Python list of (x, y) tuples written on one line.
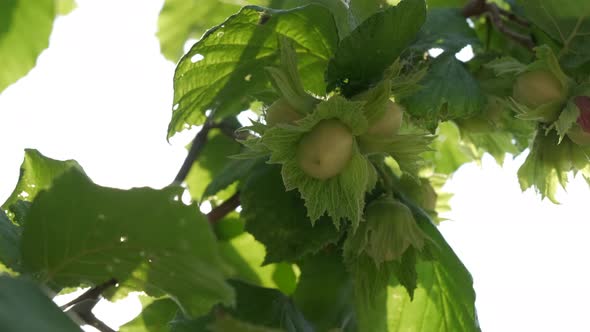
[(338, 177)]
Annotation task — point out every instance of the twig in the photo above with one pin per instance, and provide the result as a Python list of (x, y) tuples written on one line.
[(91, 294), (194, 152), (222, 210), (81, 307), (496, 14)]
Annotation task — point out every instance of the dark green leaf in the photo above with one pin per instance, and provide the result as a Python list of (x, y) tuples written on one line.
[(363, 56), (279, 219), (446, 3), (25, 27), (24, 308), (78, 233), (234, 170), (448, 92), (227, 65), (363, 9), (155, 317), (567, 21), (37, 173), (9, 243), (324, 292), (267, 307), (445, 28)]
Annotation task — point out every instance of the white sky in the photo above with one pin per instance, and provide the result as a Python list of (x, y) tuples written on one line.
[(102, 94)]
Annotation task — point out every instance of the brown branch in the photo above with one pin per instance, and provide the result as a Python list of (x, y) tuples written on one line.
[(91, 294), (81, 307), (194, 152), (496, 15), (224, 209)]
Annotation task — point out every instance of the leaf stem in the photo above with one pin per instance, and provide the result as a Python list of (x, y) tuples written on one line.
[(82, 306)]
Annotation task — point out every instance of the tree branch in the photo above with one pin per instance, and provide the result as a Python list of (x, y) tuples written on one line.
[(224, 209), (91, 294), (81, 307), (194, 151), (496, 15)]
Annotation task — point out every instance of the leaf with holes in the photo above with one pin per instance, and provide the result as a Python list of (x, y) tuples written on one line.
[(78, 233)]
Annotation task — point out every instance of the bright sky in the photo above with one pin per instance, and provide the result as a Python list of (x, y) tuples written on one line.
[(102, 94)]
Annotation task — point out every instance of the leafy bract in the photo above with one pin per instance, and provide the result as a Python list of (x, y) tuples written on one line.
[(278, 218), (20, 297), (449, 91), (445, 28), (341, 196), (567, 21), (363, 56), (226, 67), (79, 233), (37, 173), (449, 152), (547, 165), (25, 27), (406, 149)]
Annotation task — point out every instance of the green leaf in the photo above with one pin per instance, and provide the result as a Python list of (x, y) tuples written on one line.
[(445, 28), (324, 292), (566, 119), (341, 196), (226, 67), (267, 307), (79, 233), (567, 21), (364, 55), (37, 173), (246, 257), (233, 171), (449, 91), (446, 3), (9, 243), (278, 218), (20, 297), (363, 9), (155, 316), (210, 163), (25, 27), (444, 299)]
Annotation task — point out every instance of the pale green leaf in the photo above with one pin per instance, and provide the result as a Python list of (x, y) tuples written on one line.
[(155, 316), (79, 233), (25, 27)]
